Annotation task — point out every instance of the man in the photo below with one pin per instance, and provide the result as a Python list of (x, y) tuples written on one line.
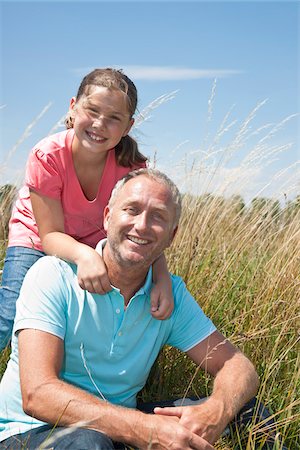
[(79, 359)]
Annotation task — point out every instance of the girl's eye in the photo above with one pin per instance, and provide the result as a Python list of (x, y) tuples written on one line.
[(92, 111)]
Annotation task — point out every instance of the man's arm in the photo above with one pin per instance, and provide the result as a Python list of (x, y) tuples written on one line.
[(52, 400), (236, 382)]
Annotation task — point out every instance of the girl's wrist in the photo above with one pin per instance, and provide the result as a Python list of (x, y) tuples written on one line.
[(82, 252)]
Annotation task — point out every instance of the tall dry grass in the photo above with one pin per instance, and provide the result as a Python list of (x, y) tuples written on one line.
[(242, 264)]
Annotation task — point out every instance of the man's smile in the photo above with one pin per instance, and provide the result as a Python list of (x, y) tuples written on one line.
[(137, 240)]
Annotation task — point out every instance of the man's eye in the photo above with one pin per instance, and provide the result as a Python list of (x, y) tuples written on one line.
[(131, 210), (116, 118), (159, 217)]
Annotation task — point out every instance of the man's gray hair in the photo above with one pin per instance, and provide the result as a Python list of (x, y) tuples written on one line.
[(157, 176)]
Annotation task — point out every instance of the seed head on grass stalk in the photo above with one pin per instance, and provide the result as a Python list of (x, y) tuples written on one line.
[(27, 132)]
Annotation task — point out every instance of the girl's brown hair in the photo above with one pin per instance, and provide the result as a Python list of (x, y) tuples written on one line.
[(127, 152)]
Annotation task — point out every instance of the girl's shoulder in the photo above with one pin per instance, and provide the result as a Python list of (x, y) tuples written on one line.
[(58, 142)]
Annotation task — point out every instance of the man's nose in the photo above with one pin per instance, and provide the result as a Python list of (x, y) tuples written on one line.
[(141, 221)]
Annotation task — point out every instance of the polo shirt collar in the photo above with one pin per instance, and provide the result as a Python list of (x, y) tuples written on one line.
[(145, 289)]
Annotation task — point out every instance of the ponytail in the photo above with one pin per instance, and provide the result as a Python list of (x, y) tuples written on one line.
[(69, 120), (127, 152)]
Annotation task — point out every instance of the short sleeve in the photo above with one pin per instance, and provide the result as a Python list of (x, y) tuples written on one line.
[(190, 324), (43, 299), (43, 174)]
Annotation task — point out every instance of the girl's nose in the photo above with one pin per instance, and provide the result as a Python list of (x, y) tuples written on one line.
[(99, 122)]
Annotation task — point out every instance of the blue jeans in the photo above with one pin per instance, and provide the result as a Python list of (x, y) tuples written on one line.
[(16, 264), (60, 439), (82, 439)]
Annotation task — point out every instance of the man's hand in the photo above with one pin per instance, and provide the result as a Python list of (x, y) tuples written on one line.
[(167, 433), (91, 271), (207, 420)]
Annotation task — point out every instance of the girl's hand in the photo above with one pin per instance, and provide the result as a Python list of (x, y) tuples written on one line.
[(91, 272), (162, 302)]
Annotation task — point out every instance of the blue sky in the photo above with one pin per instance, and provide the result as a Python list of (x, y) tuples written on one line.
[(220, 61)]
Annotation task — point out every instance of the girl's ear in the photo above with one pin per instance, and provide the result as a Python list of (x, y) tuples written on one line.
[(72, 102), (131, 122)]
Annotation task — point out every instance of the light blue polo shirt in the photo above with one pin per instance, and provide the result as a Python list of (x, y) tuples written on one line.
[(109, 350)]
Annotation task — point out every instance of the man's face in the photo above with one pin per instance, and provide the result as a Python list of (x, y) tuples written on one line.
[(139, 224)]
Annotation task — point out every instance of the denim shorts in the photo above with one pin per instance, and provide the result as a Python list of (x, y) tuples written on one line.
[(16, 264)]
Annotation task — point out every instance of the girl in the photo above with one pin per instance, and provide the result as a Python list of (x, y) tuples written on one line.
[(68, 182)]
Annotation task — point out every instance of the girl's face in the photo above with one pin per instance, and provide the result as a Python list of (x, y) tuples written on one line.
[(101, 119)]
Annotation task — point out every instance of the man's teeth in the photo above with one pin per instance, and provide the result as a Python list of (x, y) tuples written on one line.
[(137, 240)]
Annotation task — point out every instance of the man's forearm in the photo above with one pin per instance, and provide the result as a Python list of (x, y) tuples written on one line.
[(235, 384), (57, 402), (235, 379)]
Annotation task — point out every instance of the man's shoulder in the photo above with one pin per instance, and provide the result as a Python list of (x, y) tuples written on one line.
[(180, 291), (50, 278), (177, 282), (50, 266)]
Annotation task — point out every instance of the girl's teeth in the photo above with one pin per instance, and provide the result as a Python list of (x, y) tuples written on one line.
[(95, 138)]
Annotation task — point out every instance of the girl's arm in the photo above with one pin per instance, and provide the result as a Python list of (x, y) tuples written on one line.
[(49, 216), (162, 302)]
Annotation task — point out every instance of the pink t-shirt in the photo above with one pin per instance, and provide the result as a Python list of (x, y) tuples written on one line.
[(50, 171)]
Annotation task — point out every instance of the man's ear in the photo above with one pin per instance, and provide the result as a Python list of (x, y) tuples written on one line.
[(173, 235), (106, 215)]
